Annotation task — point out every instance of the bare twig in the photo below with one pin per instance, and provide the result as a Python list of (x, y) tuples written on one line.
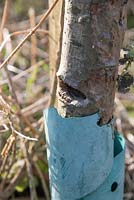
[(33, 50), (5, 151), (3, 182), (8, 146), (33, 193), (33, 37), (44, 185), (21, 33), (4, 18), (20, 134)]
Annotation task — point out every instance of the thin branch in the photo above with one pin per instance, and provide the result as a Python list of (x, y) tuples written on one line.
[(44, 185), (16, 33), (33, 37), (4, 18), (8, 146), (29, 34), (33, 193), (3, 22), (3, 182), (20, 134), (5, 151)]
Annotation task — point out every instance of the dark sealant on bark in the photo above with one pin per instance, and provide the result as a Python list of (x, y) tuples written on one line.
[(92, 38)]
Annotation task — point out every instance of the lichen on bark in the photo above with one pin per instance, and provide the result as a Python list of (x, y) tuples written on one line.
[(92, 38)]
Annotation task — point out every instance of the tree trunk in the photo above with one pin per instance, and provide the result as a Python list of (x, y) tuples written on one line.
[(80, 153), (92, 38)]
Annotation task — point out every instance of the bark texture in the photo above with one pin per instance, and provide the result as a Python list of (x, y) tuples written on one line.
[(92, 37)]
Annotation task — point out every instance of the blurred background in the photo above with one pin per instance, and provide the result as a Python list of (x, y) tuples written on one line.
[(24, 93)]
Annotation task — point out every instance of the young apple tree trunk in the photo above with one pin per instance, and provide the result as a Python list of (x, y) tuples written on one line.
[(92, 38)]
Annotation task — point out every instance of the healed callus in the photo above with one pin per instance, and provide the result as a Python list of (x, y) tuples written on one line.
[(92, 38)]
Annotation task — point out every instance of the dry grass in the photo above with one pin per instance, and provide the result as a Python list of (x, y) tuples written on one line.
[(23, 94)]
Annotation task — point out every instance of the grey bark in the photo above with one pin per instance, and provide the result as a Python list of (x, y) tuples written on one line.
[(92, 37)]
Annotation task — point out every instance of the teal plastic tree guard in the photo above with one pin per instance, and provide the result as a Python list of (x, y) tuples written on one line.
[(85, 162)]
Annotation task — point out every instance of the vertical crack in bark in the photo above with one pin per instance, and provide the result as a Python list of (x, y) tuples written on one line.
[(92, 38)]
